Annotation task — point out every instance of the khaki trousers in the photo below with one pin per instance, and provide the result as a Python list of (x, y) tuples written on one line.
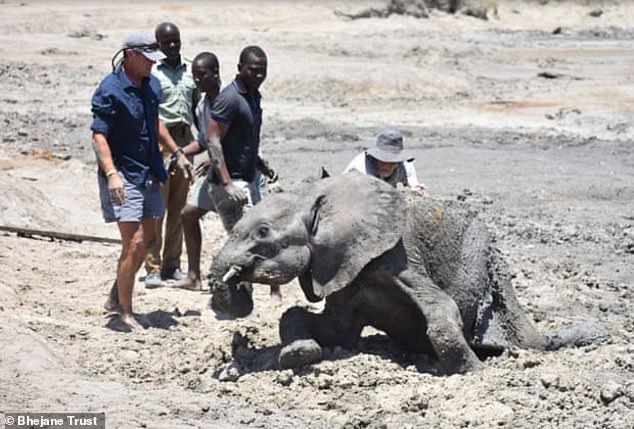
[(165, 253)]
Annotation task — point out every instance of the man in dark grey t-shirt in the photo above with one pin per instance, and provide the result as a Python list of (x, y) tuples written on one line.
[(233, 141), (233, 137)]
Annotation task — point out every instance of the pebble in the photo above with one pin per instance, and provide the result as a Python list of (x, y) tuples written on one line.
[(324, 382), (530, 362), (63, 156), (549, 380), (415, 403), (230, 373), (611, 391), (285, 377), (128, 355)]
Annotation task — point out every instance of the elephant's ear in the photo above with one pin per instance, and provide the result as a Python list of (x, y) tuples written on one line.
[(353, 219)]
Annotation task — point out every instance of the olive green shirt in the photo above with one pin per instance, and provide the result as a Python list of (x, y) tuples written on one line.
[(179, 95)]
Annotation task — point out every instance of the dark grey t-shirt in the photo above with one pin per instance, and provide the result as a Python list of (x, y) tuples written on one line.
[(242, 113)]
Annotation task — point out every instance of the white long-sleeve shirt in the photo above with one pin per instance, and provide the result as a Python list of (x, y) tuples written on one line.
[(404, 174)]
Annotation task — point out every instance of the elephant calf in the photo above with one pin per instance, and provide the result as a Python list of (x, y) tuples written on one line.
[(423, 271)]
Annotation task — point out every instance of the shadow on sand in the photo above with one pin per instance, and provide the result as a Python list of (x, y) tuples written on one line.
[(158, 319)]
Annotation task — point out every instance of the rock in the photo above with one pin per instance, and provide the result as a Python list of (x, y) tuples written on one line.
[(477, 9), (415, 403), (285, 377), (611, 391), (324, 382), (229, 373), (549, 380), (128, 355), (62, 156), (530, 362)]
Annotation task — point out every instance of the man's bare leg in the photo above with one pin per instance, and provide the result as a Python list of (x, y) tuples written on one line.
[(191, 216), (112, 303), (135, 238)]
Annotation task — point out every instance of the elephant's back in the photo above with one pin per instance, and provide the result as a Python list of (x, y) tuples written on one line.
[(453, 244), (439, 222)]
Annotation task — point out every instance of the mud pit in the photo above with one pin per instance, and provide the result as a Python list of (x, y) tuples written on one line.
[(547, 160)]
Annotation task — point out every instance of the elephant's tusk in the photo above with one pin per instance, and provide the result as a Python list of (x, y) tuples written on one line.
[(234, 270)]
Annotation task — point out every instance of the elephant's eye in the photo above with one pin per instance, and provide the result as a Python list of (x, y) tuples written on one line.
[(262, 231)]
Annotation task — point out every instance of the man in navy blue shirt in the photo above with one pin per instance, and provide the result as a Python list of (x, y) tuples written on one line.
[(126, 131)]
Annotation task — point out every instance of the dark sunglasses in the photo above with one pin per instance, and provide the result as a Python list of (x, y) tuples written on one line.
[(149, 48)]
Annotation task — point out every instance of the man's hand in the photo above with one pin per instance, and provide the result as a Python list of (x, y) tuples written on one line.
[(272, 175), (265, 169), (183, 164), (421, 190), (235, 194), (116, 189)]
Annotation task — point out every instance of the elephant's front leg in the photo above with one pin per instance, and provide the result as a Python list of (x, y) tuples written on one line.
[(444, 323), (304, 333)]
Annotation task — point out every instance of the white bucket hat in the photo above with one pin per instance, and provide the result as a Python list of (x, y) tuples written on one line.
[(389, 147)]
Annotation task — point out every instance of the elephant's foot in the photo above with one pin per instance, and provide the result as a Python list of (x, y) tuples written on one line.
[(462, 364), (453, 352), (457, 357), (299, 353)]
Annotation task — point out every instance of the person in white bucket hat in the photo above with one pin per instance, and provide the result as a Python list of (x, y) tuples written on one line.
[(388, 161)]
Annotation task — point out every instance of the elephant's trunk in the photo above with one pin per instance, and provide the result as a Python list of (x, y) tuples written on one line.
[(229, 295), (231, 298), (229, 266)]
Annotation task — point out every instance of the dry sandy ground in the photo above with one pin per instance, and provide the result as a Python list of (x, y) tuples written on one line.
[(548, 161)]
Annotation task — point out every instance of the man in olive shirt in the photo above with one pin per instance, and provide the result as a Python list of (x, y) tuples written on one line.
[(179, 97)]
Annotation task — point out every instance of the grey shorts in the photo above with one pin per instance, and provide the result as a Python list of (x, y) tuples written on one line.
[(199, 195), (141, 203), (211, 197)]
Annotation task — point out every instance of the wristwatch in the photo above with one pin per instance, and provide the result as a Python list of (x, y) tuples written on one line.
[(177, 151)]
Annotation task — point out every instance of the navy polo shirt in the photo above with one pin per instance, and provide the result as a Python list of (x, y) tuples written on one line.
[(128, 116), (242, 113)]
